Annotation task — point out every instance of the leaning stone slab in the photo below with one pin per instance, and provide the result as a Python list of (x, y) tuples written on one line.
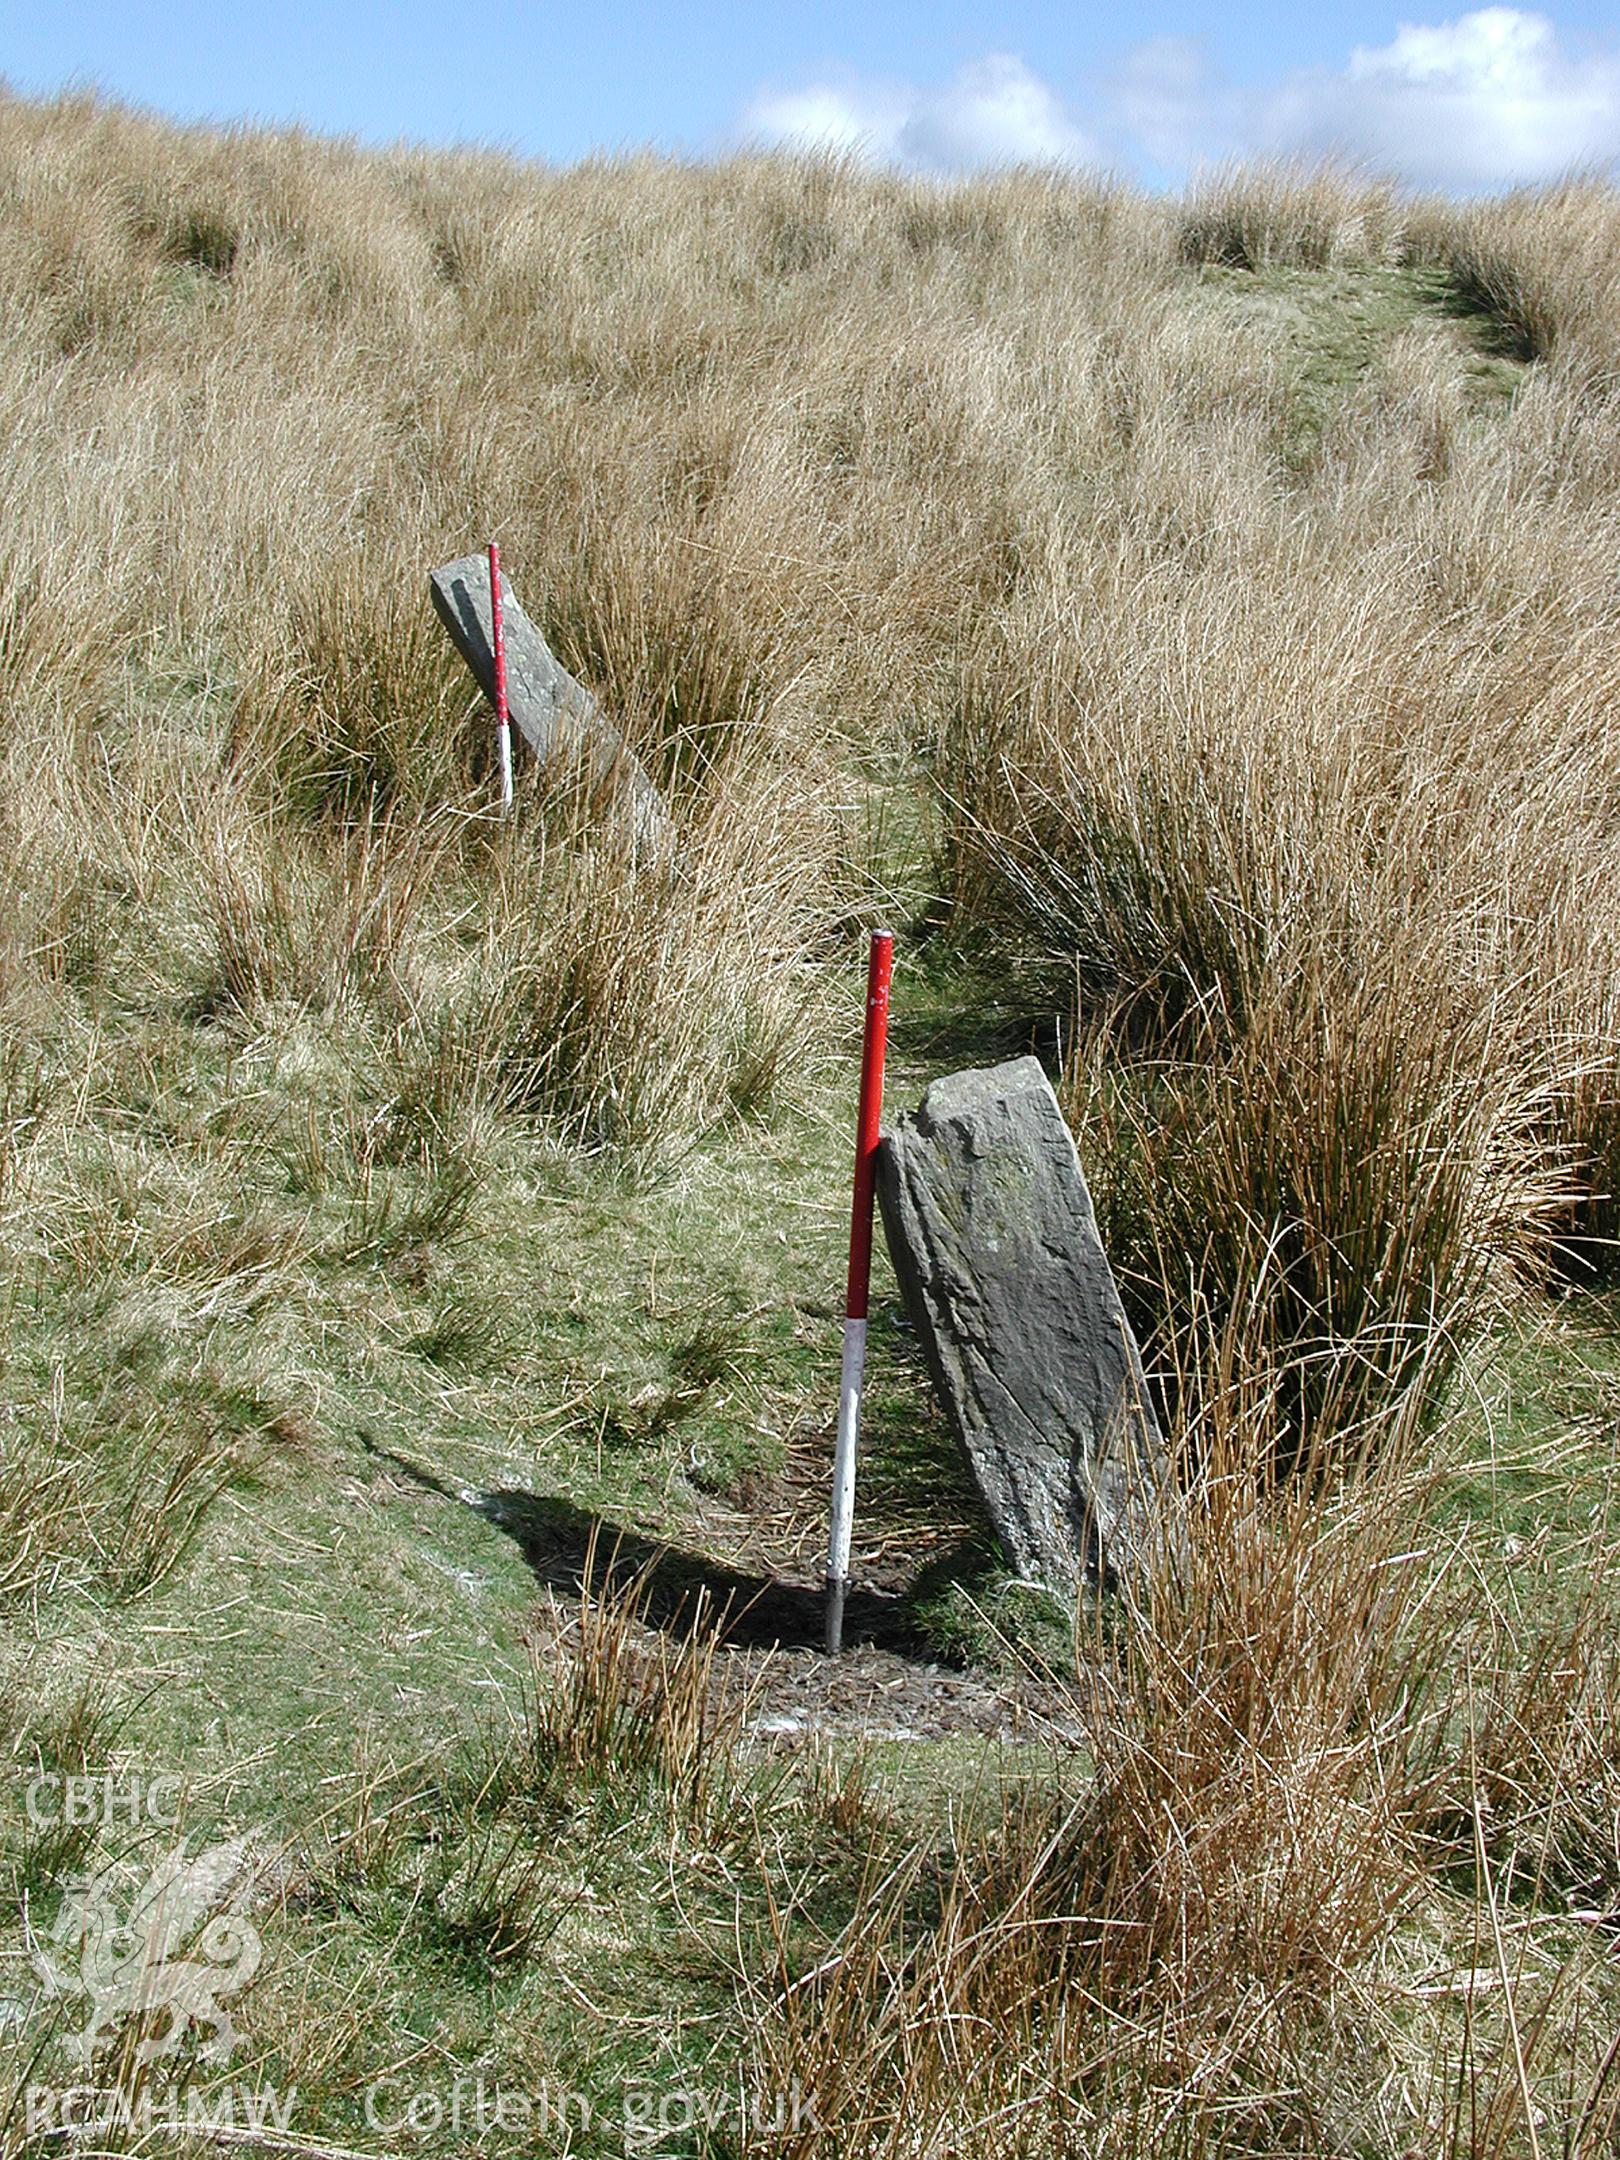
[(555, 713), (995, 1243)]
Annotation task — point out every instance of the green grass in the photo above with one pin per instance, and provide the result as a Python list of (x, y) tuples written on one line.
[(1537, 1465), (236, 1254), (339, 1646), (301, 1328), (336, 1653), (1329, 327), (336, 1656)]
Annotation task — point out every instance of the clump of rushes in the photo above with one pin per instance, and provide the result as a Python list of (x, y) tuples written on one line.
[(1324, 1207), (1177, 1942), (1262, 217), (624, 1004), (1543, 266), (620, 1707)]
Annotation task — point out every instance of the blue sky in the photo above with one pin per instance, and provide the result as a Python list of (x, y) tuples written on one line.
[(1463, 99)]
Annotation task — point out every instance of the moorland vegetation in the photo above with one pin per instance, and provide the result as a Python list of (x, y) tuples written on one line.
[(1196, 624)]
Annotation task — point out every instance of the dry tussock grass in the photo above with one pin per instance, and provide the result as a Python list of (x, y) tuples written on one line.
[(1286, 785), (1283, 777), (1298, 1897), (1260, 216), (259, 384), (1544, 264)]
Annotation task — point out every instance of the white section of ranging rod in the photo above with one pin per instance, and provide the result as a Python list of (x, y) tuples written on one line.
[(503, 718), (843, 1485)]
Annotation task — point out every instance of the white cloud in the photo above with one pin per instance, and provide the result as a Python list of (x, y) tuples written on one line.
[(852, 116), (993, 112), (1167, 99), (1479, 100), (1488, 97), (1482, 100)]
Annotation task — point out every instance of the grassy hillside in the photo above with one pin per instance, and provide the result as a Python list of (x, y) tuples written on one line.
[(1195, 626)]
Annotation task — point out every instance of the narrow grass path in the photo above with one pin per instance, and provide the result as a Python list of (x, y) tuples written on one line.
[(1331, 329)]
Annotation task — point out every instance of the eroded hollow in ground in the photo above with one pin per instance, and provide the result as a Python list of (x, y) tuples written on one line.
[(889, 1683)]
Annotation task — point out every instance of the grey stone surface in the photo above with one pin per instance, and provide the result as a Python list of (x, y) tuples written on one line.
[(994, 1240), (555, 714)]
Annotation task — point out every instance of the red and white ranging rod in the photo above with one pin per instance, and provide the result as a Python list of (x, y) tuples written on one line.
[(878, 968), (503, 722)]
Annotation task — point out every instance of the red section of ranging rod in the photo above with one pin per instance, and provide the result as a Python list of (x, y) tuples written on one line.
[(503, 720), (842, 1523), (879, 966)]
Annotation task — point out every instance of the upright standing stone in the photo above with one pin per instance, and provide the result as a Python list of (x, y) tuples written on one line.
[(995, 1243), (555, 713)]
